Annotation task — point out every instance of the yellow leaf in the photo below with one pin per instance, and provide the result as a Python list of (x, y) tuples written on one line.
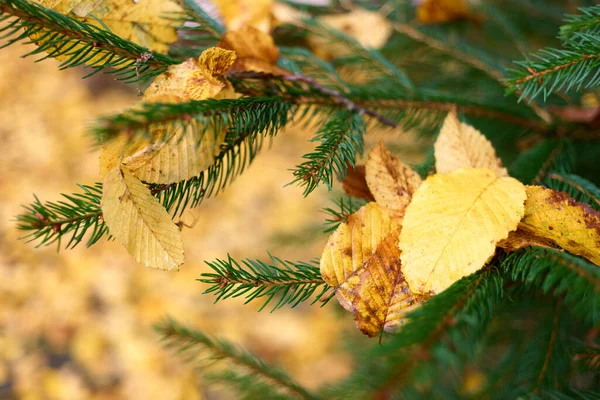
[(351, 246), (461, 146), (255, 51), (555, 216), (369, 28), (187, 153), (382, 297), (440, 11), (240, 13), (453, 223), (391, 182), (148, 23), (139, 222), (194, 80)]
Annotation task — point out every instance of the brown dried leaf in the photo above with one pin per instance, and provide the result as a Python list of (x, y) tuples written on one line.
[(382, 296), (255, 50), (555, 216), (520, 239), (441, 11), (351, 246), (355, 184), (391, 182), (461, 146)]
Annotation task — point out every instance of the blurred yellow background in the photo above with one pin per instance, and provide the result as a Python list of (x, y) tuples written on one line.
[(77, 324)]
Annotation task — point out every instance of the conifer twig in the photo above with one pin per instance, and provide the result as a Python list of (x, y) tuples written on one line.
[(193, 343), (78, 42), (333, 94), (293, 282)]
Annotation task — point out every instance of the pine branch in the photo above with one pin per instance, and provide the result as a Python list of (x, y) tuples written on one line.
[(575, 186), (552, 155), (78, 42), (48, 222), (341, 139), (368, 59), (317, 93), (455, 319), (204, 351), (467, 54), (292, 282), (587, 22), (551, 70), (344, 208), (264, 114), (203, 19), (551, 347), (561, 275)]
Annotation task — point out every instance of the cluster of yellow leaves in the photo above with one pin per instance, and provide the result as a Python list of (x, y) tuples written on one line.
[(419, 237), (148, 23), (135, 217)]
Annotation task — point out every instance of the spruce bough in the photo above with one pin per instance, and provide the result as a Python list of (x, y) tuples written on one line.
[(450, 64)]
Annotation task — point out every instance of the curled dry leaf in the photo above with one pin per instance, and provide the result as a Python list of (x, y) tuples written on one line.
[(453, 224), (361, 261), (177, 152), (195, 79), (391, 182), (440, 11), (350, 247), (255, 50), (241, 13), (139, 222), (557, 217), (149, 23), (520, 239), (461, 146), (355, 184), (382, 297)]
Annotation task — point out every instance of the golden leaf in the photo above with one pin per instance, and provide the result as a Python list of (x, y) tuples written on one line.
[(187, 153), (391, 182), (382, 297), (139, 222), (148, 23), (194, 80), (355, 183), (255, 50), (351, 246), (369, 28), (461, 146), (440, 11), (555, 216), (240, 13), (453, 223)]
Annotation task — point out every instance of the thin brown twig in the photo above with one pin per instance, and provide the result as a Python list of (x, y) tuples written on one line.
[(334, 94), (475, 62), (555, 327)]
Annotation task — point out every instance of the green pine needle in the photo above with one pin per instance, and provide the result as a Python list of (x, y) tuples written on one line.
[(78, 43), (290, 283), (244, 368)]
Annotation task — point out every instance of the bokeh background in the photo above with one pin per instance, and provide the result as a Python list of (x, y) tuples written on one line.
[(76, 324)]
